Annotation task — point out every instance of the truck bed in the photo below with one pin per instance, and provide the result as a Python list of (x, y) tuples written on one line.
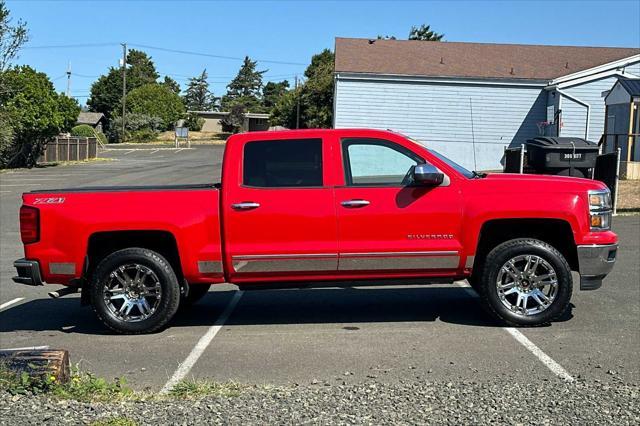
[(115, 188)]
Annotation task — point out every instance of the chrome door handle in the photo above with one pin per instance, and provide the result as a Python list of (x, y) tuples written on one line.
[(245, 205), (355, 203)]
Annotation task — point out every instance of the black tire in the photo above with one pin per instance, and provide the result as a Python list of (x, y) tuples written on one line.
[(196, 292), (509, 250), (167, 304)]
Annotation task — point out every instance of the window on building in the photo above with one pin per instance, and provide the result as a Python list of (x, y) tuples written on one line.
[(283, 163)]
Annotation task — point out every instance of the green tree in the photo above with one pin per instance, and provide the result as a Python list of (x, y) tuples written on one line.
[(156, 100), (245, 88), (386, 37), (233, 122), (35, 113), (272, 92), (424, 33), (197, 96), (317, 92), (171, 84), (315, 97), (12, 37), (106, 92), (284, 111)]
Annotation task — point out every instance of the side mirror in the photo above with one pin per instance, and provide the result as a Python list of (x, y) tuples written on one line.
[(428, 175)]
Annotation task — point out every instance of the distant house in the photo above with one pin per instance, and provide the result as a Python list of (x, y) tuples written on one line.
[(213, 121), (622, 127), (471, 100), (96, 120)]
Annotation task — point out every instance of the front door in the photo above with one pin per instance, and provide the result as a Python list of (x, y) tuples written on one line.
[(387, 226), (281, 221)]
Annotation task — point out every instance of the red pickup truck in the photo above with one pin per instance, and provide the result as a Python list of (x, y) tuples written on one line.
[(312, 207)]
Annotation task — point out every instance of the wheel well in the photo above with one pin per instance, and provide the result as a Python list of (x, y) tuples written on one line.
[(555, 232), (101, 244)]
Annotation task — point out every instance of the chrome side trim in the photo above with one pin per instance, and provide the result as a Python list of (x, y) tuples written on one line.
[(62, 268), (401, 262), (210, 266), (306, 262), (400, 254), (285, 256), (469, 262)]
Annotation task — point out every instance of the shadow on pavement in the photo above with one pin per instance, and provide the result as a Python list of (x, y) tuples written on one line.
[(266, 307)]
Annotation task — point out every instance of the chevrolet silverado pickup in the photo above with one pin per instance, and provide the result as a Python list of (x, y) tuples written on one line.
[(313, 207)]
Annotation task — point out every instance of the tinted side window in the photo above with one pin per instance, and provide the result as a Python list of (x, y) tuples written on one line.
[(376, 162), (283, 163)]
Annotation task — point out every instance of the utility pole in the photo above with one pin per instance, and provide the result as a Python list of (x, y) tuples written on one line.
[(297, 104), (124, 87), (69, 80)]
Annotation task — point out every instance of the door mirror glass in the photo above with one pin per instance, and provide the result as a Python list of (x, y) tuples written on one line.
[(428, 175)]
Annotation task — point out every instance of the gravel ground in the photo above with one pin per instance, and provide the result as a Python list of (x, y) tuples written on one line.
[(467, 402)]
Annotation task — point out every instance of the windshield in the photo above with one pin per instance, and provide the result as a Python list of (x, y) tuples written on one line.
[(466, 173)]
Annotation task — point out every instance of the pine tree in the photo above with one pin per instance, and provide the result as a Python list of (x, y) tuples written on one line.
[(424, 33), (198, 97), (245, 88)]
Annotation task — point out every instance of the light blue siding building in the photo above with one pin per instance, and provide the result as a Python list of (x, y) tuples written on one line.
[(470, 100)]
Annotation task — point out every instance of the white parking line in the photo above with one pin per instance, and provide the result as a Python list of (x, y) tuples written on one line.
[(528, 344), (154, 151), (11, 302), (185, 367), (23, 184), (129, 152)]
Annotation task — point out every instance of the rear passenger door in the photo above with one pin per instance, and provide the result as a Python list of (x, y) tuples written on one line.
[(281, 219)]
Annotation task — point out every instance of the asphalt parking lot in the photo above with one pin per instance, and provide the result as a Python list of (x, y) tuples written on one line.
[(284, 337)]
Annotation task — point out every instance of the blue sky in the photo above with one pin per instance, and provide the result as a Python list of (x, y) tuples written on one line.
[(290, 31)]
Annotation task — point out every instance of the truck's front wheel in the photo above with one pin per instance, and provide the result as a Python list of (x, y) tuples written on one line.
[(526, 282), (134, 291)]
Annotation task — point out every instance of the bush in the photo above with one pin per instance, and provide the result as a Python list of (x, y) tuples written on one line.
[(158, 101), (86, 131), (138, 128), (31, 113), (193, 122), (83, 131)]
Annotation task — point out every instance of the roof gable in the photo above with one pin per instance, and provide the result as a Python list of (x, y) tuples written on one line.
[(470, 60)]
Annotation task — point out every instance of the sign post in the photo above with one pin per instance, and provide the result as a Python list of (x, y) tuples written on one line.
[(182, 133)]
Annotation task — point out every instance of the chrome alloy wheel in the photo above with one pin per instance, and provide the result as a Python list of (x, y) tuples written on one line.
[(527, 284), (132, 292)]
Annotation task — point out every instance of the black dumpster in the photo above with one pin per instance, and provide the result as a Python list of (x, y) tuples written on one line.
[(561, 156)]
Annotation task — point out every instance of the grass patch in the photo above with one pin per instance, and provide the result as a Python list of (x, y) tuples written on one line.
[(115, 421), (86, 387), (194, 389), (82, 386)]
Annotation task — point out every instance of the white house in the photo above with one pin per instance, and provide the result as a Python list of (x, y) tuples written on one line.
[(471, 100)]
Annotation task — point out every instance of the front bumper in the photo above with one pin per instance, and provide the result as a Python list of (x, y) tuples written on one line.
[(28, 272), (595, 262)]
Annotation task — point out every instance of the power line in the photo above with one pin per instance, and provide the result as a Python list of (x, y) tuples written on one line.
[(210, 55), (71, 46)]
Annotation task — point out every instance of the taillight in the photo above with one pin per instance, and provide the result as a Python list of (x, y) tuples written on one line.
[(29, 224)]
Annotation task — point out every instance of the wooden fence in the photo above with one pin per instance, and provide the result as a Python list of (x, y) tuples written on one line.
[(69, 149)]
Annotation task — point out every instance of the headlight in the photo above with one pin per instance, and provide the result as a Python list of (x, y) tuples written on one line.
[(599, 209)]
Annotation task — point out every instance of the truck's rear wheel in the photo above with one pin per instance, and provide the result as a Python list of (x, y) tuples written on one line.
[(526, 282), (134, 291)]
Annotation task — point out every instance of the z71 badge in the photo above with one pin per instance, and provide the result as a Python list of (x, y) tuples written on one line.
[(50, 200)]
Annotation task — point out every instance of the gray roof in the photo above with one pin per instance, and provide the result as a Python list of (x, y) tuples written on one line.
[(631, 85), (91, 118)]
